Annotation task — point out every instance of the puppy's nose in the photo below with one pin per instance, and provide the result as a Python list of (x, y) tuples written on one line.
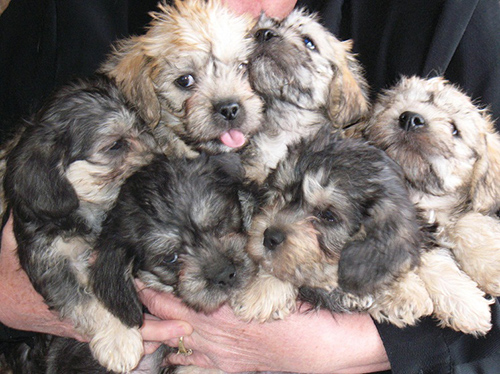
[(228, 110), (409, 121), (263, 35), (273, 237), (225, 278)]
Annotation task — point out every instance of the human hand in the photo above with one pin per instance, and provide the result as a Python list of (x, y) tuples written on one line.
[(304, 342), (272, 8), (22, 307)]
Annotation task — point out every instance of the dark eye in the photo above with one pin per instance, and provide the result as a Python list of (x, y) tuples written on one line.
[(185, 81), (498, 213), (327, 215), (454, 130), (309, 43), (118, 145), (171, 259)]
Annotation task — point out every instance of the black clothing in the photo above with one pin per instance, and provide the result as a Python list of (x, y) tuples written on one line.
[(457, 39)]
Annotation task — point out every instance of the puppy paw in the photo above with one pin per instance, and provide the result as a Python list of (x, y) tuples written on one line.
[(404, 303), (458, 301), (117, 347), (266, 298)]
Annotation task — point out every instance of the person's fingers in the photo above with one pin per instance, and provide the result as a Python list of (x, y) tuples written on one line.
[(161, 330), (162, 304), (151, 347)]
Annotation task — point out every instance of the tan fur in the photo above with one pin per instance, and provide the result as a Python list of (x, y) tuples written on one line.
[(200, 39), (452, 164)]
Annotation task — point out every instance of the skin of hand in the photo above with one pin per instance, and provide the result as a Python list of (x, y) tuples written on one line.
[(304, 342), (273, 8)]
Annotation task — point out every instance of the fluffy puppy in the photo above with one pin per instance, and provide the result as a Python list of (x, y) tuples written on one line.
[(449, 154), (308, 79), (336, 219), (188, 77), (177, 226), (62, 177)]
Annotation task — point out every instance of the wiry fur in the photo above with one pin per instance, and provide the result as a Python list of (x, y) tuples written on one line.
[(187, 74), (61, 179), (449, 153), (308, 79), (336, 218), (177, 226)]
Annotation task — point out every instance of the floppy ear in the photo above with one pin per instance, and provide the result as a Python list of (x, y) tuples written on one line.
[(388, 244), (132, 70), (112, 281), (34, 179), (348, 97), (485, 186), (230, 165)]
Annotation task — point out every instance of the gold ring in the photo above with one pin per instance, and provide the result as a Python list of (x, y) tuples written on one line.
[(181, 350)]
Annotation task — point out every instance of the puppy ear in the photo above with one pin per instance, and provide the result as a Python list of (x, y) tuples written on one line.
[(229, 164), (388, 244), (485, 186), (348, 97), (132, 70), (112, 281), (35, 181)]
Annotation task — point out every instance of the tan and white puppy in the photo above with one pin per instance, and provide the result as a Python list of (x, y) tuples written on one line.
[(308, 78), (188, 77), (449, 152)]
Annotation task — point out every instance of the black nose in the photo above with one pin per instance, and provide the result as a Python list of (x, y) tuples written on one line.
[(409, 121), (273, 237), (263, 35), (228, 110), (225, 278)]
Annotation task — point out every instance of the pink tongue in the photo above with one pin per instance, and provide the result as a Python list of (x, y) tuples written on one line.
[(233, 138)]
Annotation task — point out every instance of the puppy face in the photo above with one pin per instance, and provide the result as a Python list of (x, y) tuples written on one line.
[(77, 152), (180, 225), (297, 60), (328, 215), (444, 143), (188, 73)]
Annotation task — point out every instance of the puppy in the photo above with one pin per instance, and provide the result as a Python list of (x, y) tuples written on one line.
[(308, 79), (449, 154), (188, 77), (61, 179), (336, 218), (177, 226)]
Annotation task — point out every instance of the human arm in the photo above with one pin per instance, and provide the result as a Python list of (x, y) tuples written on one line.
[(303, 342)]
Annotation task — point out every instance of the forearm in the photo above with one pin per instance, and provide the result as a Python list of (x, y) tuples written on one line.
[(303, 342)]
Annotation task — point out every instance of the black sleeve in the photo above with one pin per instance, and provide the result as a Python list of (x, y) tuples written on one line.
[(429, 349)]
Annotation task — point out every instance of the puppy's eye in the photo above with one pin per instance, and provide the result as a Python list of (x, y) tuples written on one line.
[(454, 130), (498, 213), (171, 259), (185, 81), (327, 215), (243, 66), (119, 145), (309, 43)]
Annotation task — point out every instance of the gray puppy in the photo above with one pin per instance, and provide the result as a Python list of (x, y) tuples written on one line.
[(308, 79), (61, 179), (178, 227)]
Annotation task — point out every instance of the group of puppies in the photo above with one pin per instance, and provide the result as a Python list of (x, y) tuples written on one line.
[(233, 160)]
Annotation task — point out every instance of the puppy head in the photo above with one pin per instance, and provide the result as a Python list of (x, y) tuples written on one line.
[(188, 73), (297, 60), (444, 143), (339, 214), (177, 225), (76, 152)]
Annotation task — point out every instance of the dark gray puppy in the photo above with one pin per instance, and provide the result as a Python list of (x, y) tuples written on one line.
[(61, 178)]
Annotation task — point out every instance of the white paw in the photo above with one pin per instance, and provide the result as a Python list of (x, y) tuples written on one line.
[(117, 347), (266, 298)]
